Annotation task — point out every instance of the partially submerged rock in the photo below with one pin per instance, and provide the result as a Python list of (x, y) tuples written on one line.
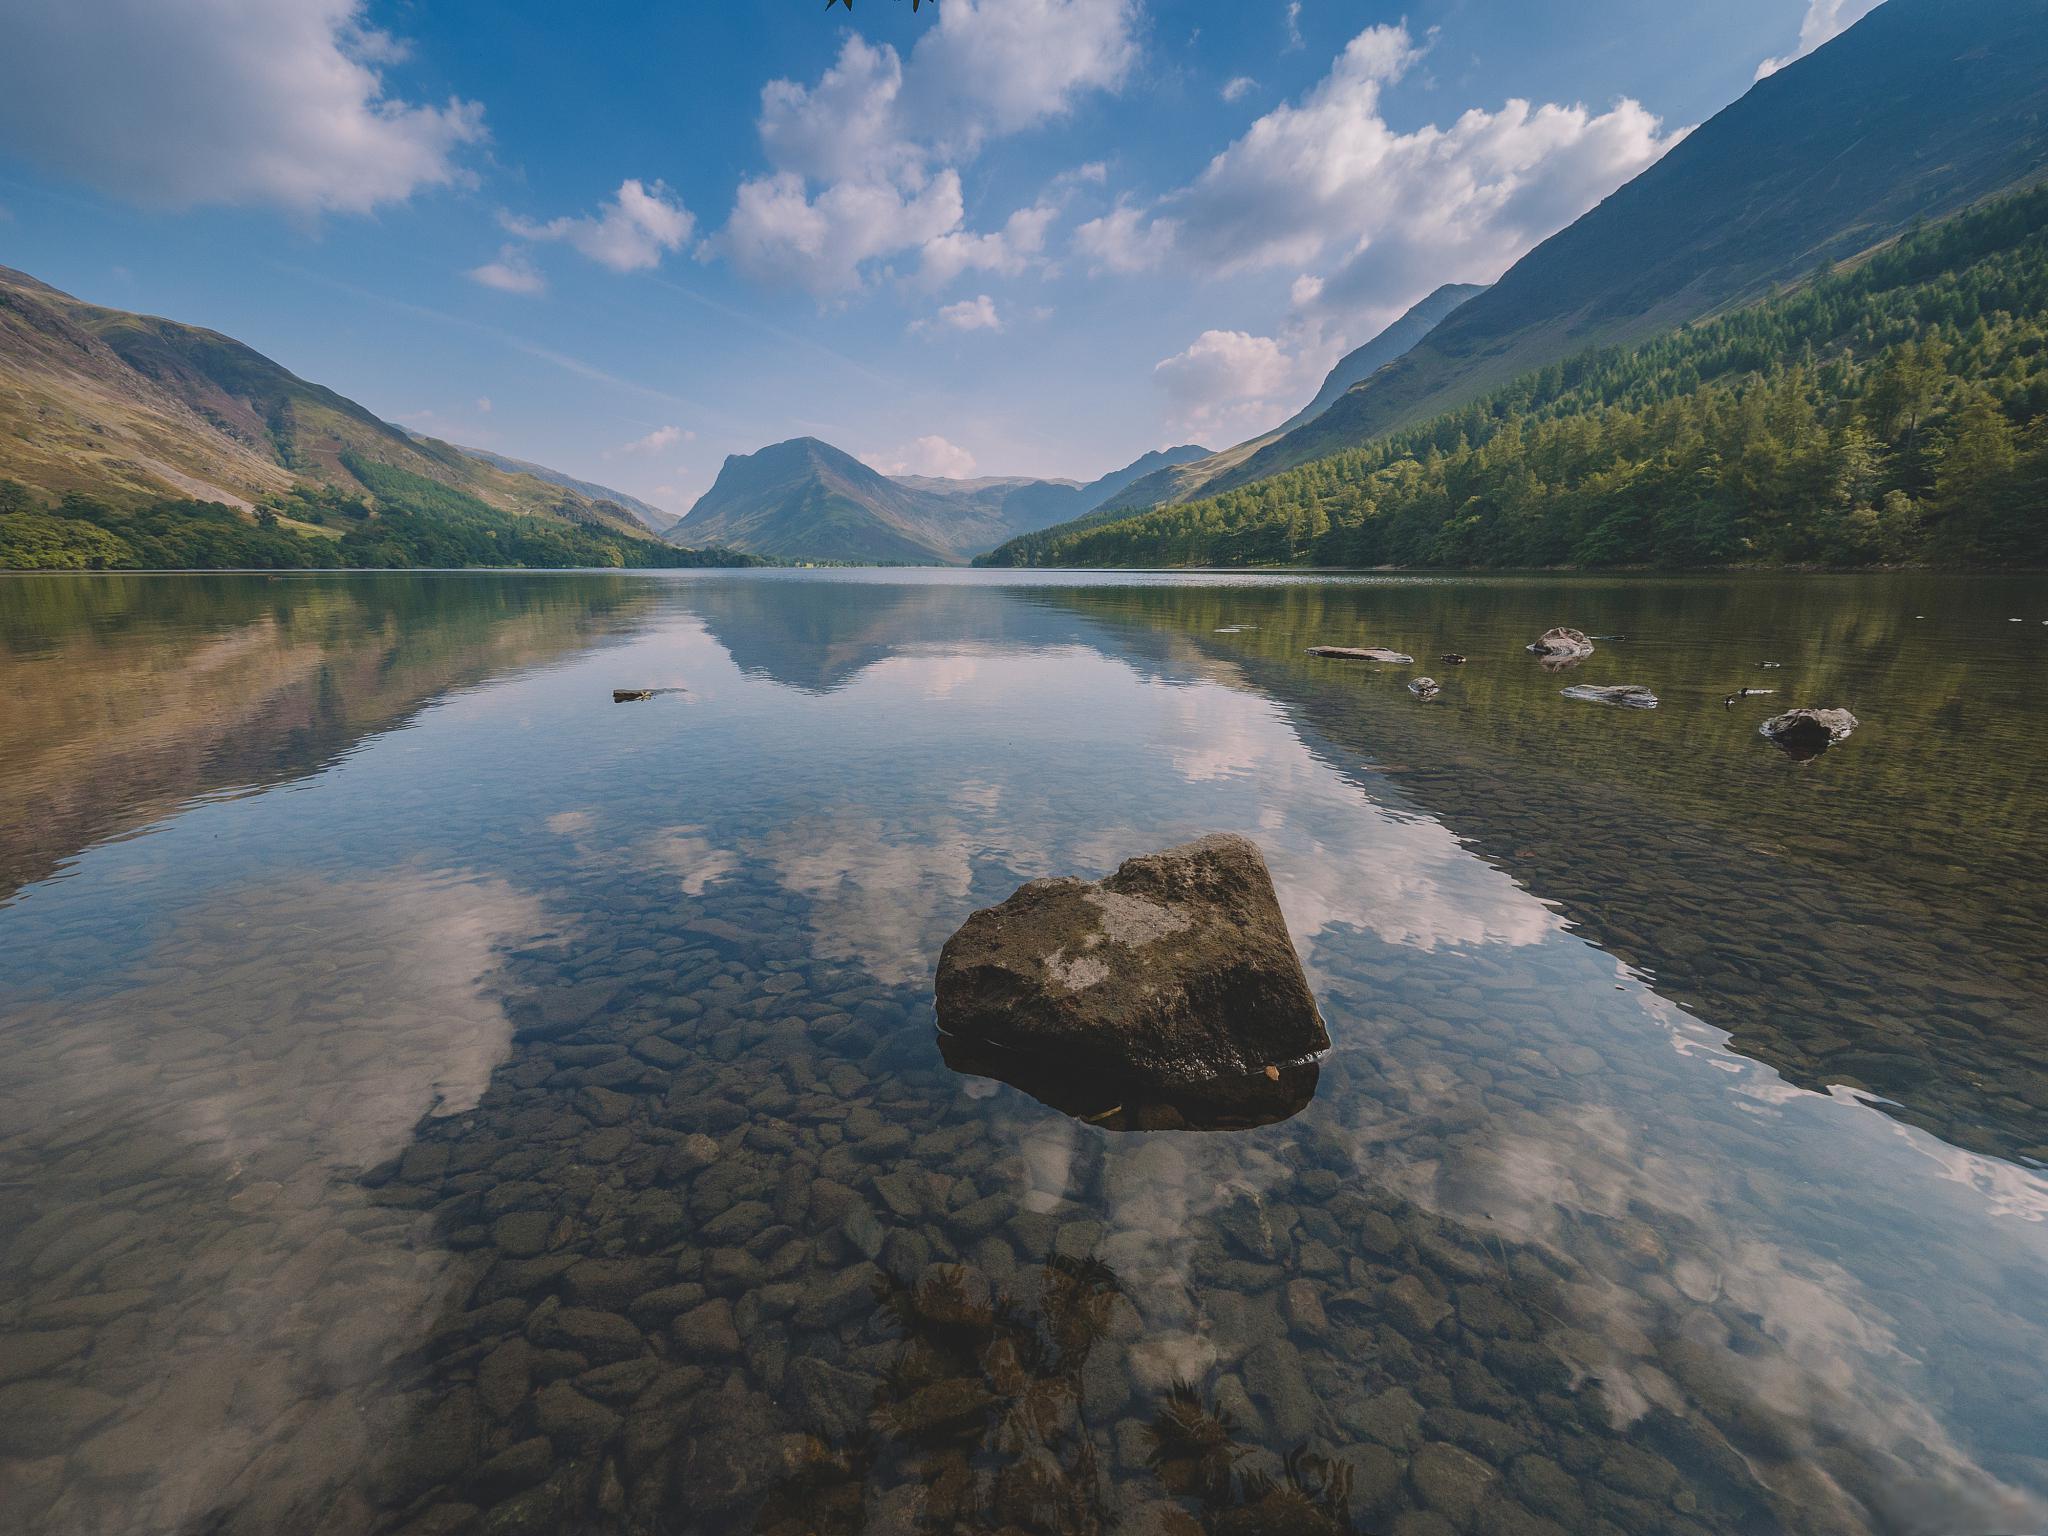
[(1452, 658), (1362, 653), (1628, 695), (1174, 971), (1235, 1102), (631, 695), (1806, 733), (1425, 687), (1560, 647)]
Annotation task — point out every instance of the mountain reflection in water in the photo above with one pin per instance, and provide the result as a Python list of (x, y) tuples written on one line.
[(525, 1113)]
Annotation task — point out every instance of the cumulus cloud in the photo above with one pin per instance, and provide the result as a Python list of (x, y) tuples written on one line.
[(660, 439), (1824, 21), (512, 272), (1013, 249), (779, 233), (975, 314), (1125, 240), (178, 103), (630, 233), (864, 161), (1238, 87), (1231, 383), (926, 456), (1328, 180)]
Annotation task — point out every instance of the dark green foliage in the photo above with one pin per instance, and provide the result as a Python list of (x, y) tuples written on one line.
[(416, 522), (1894, 412)]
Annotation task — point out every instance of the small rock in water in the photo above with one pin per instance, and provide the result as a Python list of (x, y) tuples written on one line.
[(631, 695), (1452, 658), (1629, 695), (1806, 733), (1175, 970), (1362, 653), (1425, 687), (1560, 647)]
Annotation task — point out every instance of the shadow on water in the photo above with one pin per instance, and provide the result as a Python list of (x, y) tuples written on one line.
[(1220, 1104)]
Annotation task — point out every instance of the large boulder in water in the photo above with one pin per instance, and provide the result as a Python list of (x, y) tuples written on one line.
[(1175, 970), (1805, 733)]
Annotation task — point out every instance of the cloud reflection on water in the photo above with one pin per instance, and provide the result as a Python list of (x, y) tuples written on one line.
[(194, 1129)]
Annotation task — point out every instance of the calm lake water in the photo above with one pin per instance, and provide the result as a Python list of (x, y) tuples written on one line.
[(440, 1099)]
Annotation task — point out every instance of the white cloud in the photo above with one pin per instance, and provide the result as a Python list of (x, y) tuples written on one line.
[(1007, 252), (512, 272), (1293, 25), (1238, 87), (1328, 179), (177, 103), (779, 233), (656, 441), (1825, 20), (975, 314), (1231, 382), (926, 456), (880, 139), (631, 233), (1124, 240), (483, 405)]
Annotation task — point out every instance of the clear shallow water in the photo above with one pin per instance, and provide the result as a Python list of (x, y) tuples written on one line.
[(439, 1098)]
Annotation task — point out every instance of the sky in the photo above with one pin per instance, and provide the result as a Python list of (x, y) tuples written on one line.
[(986, 237)]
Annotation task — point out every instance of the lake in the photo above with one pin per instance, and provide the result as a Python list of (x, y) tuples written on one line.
[(439, 1098)]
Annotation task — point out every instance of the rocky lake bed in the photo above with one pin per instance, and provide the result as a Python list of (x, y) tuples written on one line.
[(516, 1114)]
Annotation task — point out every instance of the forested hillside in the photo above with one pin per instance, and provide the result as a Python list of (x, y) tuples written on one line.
[(1921, 110), (410, 525), (1892, 412)]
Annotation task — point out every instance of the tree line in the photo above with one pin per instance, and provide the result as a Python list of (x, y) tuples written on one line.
[(408, 521), (1890, 412)]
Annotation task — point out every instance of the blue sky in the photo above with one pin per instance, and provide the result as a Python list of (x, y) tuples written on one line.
[(991, 237)]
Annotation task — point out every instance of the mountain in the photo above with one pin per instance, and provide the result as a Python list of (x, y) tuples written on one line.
[(1921, 109), (1893, 411), (654, 517), (1185, 479), (807, 500), (106, 415), (1396, 341)]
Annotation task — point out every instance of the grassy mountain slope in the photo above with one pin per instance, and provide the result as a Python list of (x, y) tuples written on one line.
[(1921, 109), (1184, 479), (653, 517), (1395, 342), (134, 416), (1893, 411)]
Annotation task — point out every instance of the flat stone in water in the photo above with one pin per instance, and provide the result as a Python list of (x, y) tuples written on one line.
[(1628, 695)]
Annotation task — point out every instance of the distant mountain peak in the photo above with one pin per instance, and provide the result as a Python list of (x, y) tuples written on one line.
[(805, 499)]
